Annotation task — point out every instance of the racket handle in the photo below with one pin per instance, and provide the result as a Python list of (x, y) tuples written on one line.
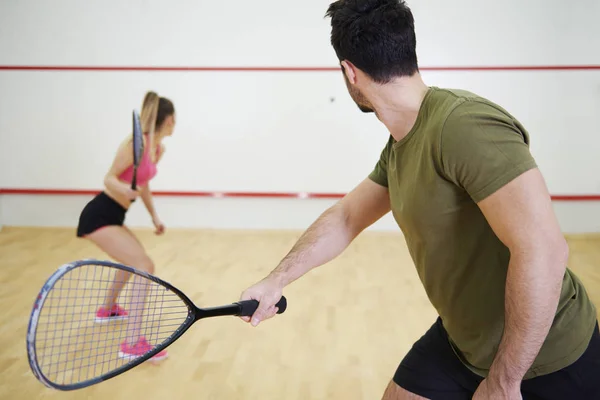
[(134, 181), (248, 307)]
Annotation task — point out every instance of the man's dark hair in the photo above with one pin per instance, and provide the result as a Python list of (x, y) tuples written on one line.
[(378, 36)]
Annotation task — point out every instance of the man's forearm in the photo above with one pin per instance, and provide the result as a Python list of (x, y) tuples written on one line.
[(324, 240), (532, 293)]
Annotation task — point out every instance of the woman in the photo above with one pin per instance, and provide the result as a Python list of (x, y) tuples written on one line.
[(102, 219)]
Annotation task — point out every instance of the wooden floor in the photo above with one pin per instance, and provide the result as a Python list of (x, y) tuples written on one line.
[(346, 328)]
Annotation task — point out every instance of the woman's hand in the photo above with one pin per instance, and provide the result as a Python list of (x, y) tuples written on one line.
[(130, 193), (160, 227)]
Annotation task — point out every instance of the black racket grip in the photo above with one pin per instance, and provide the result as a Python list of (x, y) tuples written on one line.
[(134, 181), (248, 307), (134, 178)]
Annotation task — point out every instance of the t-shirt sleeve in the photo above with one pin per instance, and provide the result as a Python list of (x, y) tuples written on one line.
[(482, 148), (379, 173)]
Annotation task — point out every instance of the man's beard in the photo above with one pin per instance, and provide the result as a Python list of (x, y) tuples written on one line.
[(361, 101), (365, 109)]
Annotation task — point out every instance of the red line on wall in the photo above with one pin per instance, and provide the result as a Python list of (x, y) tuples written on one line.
[(264, 195), (284, 69), (588, 197), (157, 68)]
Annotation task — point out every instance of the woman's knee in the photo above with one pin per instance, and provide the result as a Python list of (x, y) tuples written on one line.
[(146, 264), (120, 244)]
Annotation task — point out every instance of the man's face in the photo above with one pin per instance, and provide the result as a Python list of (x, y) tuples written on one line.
[(361, 101)]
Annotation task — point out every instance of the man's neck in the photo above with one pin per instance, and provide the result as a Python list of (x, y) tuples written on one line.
[(397, 104)]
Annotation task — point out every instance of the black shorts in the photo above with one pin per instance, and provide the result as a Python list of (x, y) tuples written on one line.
[(431, 369), (101, 211)]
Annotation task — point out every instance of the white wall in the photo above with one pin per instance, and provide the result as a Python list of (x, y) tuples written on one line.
[(270, 131)]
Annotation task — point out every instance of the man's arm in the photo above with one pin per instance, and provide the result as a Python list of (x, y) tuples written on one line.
[(324, 240), (521, 215), (333, 231)]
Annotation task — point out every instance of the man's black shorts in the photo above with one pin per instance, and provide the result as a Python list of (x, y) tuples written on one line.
[(431, 369)]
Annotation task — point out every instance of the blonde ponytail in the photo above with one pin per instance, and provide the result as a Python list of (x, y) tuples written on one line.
[(148, 120)]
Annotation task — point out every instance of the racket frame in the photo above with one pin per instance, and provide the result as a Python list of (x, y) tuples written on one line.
[(137, 156), (194, 314)]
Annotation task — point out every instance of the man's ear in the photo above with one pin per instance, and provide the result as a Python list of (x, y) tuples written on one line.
[(350, 71)]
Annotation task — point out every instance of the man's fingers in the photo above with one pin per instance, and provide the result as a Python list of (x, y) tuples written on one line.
[(258, 316), (243, 297), (270, 313), (262, 312), (267, 294)]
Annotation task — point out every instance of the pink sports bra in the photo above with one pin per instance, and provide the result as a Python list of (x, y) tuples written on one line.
[(145, 172)]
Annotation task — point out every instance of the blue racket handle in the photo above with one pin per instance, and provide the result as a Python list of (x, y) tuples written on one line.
[(248, 307)]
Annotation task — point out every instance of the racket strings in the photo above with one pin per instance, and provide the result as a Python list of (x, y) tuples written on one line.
[(73, 346), (138, 141)]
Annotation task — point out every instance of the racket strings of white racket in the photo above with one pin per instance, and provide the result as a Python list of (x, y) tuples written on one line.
[(72, 347)]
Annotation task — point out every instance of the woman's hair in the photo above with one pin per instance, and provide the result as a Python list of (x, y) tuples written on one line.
[(155, 110)]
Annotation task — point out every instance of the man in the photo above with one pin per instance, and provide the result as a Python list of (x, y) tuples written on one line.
[(458, 176)]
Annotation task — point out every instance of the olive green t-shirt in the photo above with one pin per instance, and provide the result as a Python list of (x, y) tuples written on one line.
[(462, 149)]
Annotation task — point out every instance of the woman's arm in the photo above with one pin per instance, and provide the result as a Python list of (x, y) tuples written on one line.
[(123, 159), (146, 196)]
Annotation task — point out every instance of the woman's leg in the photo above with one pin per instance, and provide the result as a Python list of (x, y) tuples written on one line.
[(120, 244)]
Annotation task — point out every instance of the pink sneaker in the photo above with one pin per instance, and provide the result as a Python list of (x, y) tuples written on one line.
[(139, 349), (115, 313)]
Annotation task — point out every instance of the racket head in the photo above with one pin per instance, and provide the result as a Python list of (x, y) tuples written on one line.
[(60, 352), (138, 145)]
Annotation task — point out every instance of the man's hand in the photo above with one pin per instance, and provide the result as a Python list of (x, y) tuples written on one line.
[(267, 292), (490, 390)]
